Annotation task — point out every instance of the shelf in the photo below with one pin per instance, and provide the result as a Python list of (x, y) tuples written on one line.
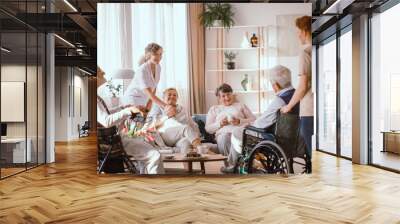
[(246, 92), (236, 70), (255, 62), (234, 48), (241, 27)]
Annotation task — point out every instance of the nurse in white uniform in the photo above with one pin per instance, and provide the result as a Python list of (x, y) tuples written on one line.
[(142, 90)]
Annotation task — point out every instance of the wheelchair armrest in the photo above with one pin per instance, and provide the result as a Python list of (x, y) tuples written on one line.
[(263, 133), (258, 130)]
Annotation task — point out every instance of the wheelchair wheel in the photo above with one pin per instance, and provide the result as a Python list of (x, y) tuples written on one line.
[(267, 157)]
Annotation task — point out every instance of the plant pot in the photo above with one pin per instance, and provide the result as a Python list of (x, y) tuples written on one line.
[(217, 23), (230, 65), (114, 102)]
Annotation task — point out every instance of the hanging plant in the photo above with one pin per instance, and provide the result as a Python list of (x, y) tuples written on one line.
[(217, 14)]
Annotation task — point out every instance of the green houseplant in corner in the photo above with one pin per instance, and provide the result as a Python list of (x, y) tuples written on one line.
[(217, 14)]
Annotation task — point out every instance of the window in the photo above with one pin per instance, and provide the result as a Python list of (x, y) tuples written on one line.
[(385, 88), (346, 94), (327, 97), (22, 65)]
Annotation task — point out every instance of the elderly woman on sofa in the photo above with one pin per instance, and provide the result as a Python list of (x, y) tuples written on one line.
[(224, 118)]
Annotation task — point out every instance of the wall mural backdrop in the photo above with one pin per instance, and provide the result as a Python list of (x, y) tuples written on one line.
[(148, 78)]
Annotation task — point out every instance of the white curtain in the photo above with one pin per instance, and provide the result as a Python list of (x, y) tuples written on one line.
[(124, 30), (114, 37), (165, 24)]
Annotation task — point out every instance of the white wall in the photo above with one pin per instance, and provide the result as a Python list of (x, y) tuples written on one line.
[(70, 83), (33, 127), (266, 13), (17, 73)]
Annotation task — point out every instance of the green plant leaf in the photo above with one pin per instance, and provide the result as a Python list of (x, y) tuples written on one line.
[(217, 11)]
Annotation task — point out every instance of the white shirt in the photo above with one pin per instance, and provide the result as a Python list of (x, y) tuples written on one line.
[(268, 118), (218, 112), (181, 117), (110, 118), (143, 79)]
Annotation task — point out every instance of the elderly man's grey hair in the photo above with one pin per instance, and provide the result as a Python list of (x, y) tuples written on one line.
[(280, 75)]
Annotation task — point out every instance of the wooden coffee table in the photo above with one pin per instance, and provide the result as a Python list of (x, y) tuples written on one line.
[(181, 158)]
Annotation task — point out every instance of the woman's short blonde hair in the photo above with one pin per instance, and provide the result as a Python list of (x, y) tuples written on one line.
[(170, 89)]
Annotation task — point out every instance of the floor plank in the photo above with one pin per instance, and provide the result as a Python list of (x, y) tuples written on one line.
[(70, 191)]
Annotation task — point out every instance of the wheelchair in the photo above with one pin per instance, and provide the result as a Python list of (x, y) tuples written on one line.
[(112, 157), (273, 150)]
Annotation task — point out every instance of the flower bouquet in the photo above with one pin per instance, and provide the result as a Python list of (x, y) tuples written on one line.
[(140, 127)]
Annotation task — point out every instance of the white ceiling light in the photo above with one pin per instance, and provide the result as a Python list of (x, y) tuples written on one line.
[(5, 50), (65, 41), (338, 6), (70, 5), (84, 71)]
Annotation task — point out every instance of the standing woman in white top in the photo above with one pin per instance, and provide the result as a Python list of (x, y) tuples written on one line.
[(142, 89), (304, 92)]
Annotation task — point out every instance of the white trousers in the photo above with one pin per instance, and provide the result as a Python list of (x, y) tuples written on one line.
[(148, 156), (178, 135), (237, 139), (230, 144)]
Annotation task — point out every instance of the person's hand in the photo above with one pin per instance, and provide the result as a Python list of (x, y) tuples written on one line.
[(143, 110), (235, 121), (285, 109), (224, 122), (134, 110), (170, 110), (142, 132)]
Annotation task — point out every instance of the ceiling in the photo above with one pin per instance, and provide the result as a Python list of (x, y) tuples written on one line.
[(76, 21)]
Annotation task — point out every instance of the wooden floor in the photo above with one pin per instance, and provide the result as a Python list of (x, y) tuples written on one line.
[(70, 191)]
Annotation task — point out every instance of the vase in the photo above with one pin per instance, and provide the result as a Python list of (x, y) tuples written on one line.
[(245, 41), (245, 82), (114, 102)]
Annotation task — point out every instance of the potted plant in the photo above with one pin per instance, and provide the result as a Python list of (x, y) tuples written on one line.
[(113, 89), (217, 14), (230, 56)]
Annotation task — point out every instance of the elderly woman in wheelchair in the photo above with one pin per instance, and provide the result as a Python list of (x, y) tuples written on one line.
[(272, 141)]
